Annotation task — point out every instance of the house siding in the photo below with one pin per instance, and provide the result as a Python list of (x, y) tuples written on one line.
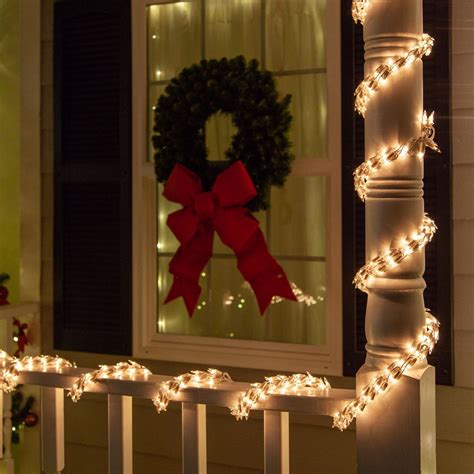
[(315, 447)]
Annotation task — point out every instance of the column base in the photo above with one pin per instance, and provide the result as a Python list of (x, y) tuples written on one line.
[(397, 433)]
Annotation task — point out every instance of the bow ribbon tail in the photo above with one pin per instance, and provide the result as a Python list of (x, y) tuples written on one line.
[(266, 277), (186, 267)]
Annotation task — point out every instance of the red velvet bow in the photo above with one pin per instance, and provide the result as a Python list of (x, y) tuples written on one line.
[(219, 210)]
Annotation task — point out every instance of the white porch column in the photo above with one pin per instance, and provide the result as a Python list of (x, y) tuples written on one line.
[(397, 433)]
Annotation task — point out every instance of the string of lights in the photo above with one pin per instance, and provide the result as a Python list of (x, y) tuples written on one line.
[(278, 384), (122, 370), (43, 363), (411, 148), (381, 383), (170, 388), (395, 255), (301, 296), (359, 10), (379, 265), (374, 80)]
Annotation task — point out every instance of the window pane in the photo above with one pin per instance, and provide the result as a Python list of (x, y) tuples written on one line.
[(174, 38), (295, 227), (309, 109), (295, 34), (219, 132), (228, 307), (301, 205), (233, 27)]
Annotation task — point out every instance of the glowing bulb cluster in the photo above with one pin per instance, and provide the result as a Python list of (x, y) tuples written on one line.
[(279, 384), (359, 10), (415, 147), (43, 363), (301, 296), (380, 383), (122, 370), (170, 388), (395, 255), (374, 80)]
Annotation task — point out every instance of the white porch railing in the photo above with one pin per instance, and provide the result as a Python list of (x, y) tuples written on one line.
[(194, 400)]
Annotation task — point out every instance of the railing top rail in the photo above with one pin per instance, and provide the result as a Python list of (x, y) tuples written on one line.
[(222, 395)]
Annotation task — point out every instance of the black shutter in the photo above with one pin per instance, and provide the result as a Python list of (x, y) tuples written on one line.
[(92, 184), (437, 187)]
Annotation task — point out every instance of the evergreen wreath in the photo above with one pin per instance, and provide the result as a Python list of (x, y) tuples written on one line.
[(245, 92)]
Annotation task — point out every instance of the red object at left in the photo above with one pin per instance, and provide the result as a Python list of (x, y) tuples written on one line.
[(3, 296), (22, 337)]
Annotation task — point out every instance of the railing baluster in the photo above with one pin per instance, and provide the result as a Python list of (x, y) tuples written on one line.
[(194, 438), (120, 435), (52, 429), (277, 449)]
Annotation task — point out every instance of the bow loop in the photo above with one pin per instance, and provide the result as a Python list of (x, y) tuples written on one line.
[(182, 185)]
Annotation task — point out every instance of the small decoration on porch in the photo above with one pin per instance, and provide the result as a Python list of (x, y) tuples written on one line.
[(278, 384), (21, 409), (169, 389), (20, 336), (22, 414), (122, 370), (3, 289), (219, 196)]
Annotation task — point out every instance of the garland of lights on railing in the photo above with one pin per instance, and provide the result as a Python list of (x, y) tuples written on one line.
[(170, 388), (13, 366), (414, 148), (279, 384), (122, 370)]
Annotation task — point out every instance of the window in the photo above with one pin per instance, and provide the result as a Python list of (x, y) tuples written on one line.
[(299, 42)]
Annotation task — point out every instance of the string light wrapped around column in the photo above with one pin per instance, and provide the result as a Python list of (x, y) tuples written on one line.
[(359, 10), (374, 80), (414, 148), (122, 370), (170, 388), (43, 363), (279, 384)]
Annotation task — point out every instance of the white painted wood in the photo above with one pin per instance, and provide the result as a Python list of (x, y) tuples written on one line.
[(120, 429), (52, 429), (398, 433), (276, 428), (18, 310), (222, 395), (194, 440), (464, 357), (463, 256)]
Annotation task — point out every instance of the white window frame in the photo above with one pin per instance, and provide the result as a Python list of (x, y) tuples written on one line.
[(147, 343)]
